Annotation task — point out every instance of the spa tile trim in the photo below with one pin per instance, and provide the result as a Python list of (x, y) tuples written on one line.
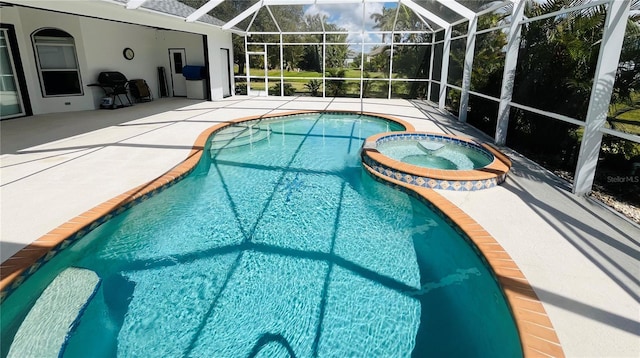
[(459, 180)]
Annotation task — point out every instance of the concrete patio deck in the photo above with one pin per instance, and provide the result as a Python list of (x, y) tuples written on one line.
[(582, 259)]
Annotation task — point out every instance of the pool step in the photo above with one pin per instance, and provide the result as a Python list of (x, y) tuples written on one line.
[(232, 132), (46, 328), (239, 136)]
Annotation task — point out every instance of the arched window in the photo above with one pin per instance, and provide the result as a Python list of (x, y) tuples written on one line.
[(57, 63)]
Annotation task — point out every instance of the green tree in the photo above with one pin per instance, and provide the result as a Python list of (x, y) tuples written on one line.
[(313, 86), (628, 74), (410, 61), (289, 17), (226, 11), (312, 56), (557, 62), (486, 75), (336, 87), (336, 54)]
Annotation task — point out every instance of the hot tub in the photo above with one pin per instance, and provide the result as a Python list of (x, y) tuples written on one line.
[(435, 160)]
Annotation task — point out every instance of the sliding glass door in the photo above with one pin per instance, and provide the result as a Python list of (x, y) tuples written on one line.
[(10, 97)]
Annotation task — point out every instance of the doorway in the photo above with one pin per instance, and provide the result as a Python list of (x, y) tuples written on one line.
[(226, 72), (258, 80), (177, 60)]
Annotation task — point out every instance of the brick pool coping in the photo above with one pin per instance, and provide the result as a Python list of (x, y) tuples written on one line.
[(535, 329), (537, 335)]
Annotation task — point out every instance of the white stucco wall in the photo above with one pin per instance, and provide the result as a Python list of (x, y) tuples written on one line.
[(30, 21), (104, 42), (151, 48), (192, 44), (216, 41), (99, 45)]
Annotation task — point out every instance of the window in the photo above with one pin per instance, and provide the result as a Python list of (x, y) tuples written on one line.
[(177, 62), (10, 96), (57, 63)]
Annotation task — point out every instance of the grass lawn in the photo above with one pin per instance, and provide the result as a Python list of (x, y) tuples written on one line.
[(375, 89), (298, 79), (628, 122), (625, 117), (350, 73), (633, 115), (616, 109)]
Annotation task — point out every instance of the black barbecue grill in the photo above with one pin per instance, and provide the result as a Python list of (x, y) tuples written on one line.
[(114, 84)]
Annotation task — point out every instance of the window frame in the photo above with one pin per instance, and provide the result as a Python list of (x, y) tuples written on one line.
[(13, 76), (43, 88)]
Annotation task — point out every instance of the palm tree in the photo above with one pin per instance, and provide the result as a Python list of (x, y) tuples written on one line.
[(410, 60), (385, 21), (336, 87), (556, 65), (399, 19)]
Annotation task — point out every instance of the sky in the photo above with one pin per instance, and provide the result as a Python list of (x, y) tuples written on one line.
[(349, 17)]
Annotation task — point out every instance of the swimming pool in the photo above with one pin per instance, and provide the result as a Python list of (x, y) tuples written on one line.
[(282, 245)]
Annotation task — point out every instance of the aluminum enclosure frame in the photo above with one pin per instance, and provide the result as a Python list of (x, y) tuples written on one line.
[(594, 123)]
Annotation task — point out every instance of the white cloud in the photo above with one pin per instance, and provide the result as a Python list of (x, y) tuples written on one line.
[(349, 17), (314, 10)]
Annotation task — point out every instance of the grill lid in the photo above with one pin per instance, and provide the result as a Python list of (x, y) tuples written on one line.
[(112, 78)]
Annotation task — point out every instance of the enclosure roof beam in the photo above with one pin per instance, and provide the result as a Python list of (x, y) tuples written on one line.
[(203, 10), (395, 22), (458, 8), (424, 21), (253, 18), (421, 11), (248, 12), (467, 69), (444, 70), (134, 4), (509, 72), (494, 7), (321, 2), (274, 19), (426, 13), (288, 2)]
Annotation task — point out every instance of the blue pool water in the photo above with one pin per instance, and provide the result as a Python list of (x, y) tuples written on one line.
[(445, 155), (281, 247)]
